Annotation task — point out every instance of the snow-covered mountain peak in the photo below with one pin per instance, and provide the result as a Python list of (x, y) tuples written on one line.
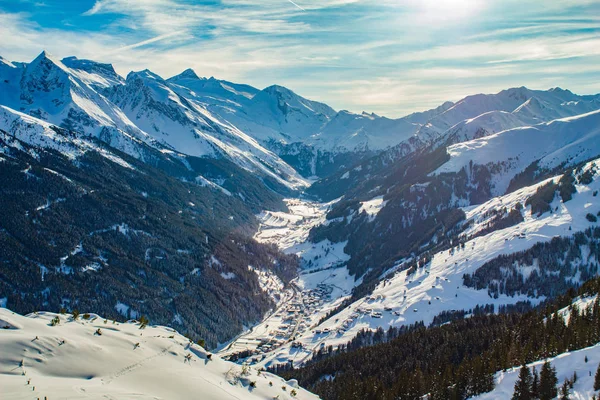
[(566, 141), (46, 59), (187, 74), (144, 74), (46, 77), (286, 101), (106, 72)]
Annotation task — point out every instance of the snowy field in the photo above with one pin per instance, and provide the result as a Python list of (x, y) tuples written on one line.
[(98, 359)]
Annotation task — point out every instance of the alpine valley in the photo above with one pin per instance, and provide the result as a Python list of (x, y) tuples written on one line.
[(354, 255)]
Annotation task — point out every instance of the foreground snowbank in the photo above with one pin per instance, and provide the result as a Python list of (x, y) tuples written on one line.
[(98, 359)]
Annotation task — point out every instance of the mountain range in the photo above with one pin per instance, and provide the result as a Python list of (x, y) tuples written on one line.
[(279, 231)]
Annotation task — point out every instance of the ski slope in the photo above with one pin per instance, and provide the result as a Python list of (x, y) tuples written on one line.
[(120, 361)]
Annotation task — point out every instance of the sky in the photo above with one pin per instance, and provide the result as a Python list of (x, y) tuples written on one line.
[(391, 57)]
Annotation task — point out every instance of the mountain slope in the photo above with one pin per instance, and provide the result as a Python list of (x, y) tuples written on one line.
[(84, 225), (557, 143), (97, 358), (89, 98), (185, 126), (49, 90), (504, 254)]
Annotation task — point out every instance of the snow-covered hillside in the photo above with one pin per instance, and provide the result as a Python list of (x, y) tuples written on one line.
[(583, 363), (566, 364), (46, 355), (566, 141), (186, 126), (39, 133), (402, 297)]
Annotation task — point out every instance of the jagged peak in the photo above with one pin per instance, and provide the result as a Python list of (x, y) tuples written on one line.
[(44, 55), (45, 62), (187, 74), (89, 65), (144, 74)]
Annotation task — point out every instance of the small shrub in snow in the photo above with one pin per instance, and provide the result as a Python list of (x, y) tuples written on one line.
[(75, 315), (55, 321), (143, 322), (86, 316), (591, 217)]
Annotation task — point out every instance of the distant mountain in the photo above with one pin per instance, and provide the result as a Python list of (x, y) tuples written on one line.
[(559, 143), (473, 117), (89, 98), (49, 90)]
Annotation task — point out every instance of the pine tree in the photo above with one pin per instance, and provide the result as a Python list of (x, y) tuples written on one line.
[(523, 385), (535, 384), (597, 379), (565, 391), (548, 382)]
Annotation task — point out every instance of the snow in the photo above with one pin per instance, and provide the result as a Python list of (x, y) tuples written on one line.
[(228, 275), (566, 364), (372, 207), (122, 309), (431, 290), (324, 282), (71, 361), (569, 140), (202, 181)]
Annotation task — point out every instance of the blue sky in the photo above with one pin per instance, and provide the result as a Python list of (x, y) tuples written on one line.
[(384, 56)]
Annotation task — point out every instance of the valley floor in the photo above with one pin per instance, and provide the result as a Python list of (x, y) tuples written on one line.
[(322, 284)]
